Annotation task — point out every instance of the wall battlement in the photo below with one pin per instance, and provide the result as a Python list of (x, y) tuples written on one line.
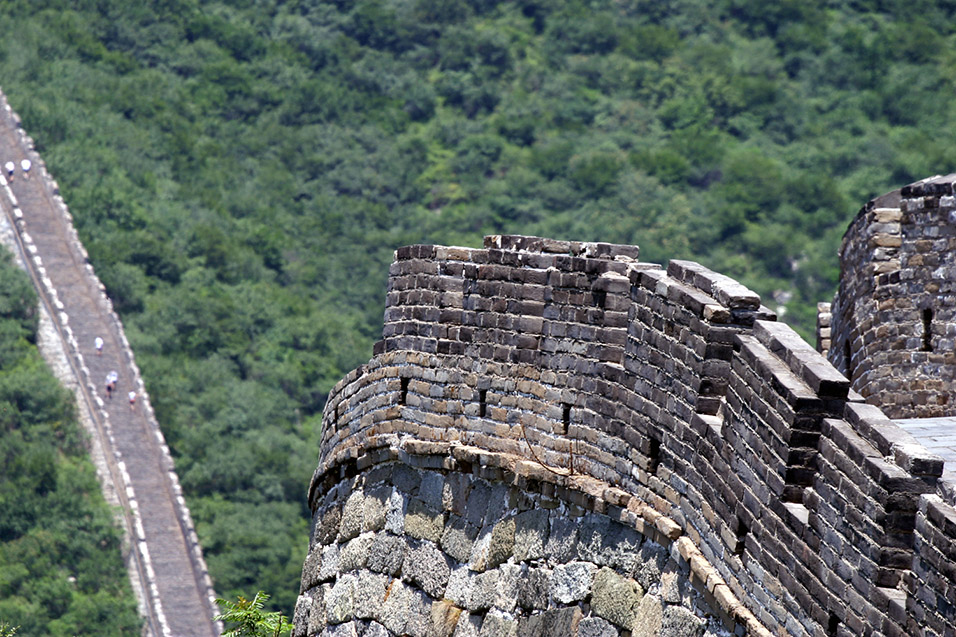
[(668, 401)]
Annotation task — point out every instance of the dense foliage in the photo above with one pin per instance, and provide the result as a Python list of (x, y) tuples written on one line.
[(60, 567), (241, 172)]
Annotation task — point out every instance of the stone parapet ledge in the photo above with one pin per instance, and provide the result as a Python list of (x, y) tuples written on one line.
[(804, 361), (594, 250), (894, 442), (937, 186)]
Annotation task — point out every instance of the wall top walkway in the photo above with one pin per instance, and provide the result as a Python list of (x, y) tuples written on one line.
[(174, 587), (939, 436)]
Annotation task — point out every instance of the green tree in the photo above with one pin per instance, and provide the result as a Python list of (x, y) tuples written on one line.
[(249, 618)]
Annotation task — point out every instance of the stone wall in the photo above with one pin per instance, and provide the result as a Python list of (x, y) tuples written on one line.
[(667, 400), (400, 550)]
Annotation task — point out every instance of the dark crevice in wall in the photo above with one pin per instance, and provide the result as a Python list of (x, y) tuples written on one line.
[(482, 404), (404, 394), (848, 359), (927, 344), (565, 418), (653, 455), (833, 625), (741, 533)]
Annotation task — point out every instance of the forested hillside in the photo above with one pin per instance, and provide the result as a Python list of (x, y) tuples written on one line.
[(61, 572), (241, 172)]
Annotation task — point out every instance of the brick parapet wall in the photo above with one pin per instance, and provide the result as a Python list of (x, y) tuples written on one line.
[(810, 506), (933, 580)]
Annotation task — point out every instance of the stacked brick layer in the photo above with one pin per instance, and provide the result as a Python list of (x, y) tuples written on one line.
[(629, 388)]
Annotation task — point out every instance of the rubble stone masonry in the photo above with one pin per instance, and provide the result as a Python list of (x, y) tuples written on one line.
[(554, 438)]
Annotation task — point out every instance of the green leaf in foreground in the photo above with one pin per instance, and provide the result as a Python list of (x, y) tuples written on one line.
[(249, 618)]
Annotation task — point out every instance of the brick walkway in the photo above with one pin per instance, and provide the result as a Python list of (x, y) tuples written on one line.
[(178, 599), (939, 436)]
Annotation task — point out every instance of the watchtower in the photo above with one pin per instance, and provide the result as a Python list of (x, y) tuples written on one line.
[(894, 317)]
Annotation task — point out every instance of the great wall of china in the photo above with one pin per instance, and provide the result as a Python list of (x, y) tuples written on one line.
[(162, 554), (554, 438)]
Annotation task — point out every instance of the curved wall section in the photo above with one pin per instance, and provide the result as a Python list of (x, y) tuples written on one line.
[(668, 401)]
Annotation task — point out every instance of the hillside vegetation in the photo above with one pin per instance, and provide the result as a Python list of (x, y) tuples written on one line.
[(241, 172)]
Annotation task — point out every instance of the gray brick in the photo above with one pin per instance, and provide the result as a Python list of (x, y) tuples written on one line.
[(353, 514), (469, 625), (458, 539), (369, 594), (572, 582), (373, 518), (430, 489), (498, 624), (648, 622), (534, 589), (596, 627), (395, 509), (300, 616), (531, 534), (423, 522), (678, 621), (340, 601), (616, 598), (386, 554), (354, 554), (404, 609), (562, 540)]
